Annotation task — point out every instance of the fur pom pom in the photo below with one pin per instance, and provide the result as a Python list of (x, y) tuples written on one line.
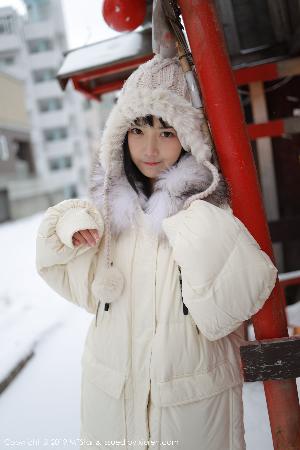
[(110, 286)]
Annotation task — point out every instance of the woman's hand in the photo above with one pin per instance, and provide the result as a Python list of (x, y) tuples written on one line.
[(89, 237)]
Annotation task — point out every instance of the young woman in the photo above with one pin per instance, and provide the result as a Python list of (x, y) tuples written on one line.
[(169, 273)]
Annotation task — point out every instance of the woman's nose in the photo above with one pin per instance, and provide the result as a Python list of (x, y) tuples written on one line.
[(151, 147)]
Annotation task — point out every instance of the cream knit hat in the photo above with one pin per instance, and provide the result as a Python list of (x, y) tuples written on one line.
[(157, 87)]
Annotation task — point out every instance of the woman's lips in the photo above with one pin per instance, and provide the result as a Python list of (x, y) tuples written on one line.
[(151, 164)]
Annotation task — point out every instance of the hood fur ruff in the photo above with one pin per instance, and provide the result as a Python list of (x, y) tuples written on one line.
[(160, 102), (172, 188)]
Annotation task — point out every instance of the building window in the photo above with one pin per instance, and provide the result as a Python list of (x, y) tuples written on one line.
[(7, 25), (4, 151), (55, 134), (38, 10), (39, 45), (7, 61), (70, 191), (63, 162), (50, 104), (39, 76)]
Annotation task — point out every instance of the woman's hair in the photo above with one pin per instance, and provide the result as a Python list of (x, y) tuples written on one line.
[(133, 174)]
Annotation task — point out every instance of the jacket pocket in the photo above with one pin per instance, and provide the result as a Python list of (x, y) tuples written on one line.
[(111, 381), (197, 386)]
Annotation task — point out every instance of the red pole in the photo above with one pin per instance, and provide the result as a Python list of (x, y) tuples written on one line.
[(227, 122)]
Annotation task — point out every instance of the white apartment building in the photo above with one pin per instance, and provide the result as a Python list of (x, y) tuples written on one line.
[(63, 125)]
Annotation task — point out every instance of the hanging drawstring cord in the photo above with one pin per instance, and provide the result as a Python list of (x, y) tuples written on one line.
[(211, 188)]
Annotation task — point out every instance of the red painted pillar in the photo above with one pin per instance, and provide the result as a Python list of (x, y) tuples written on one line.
[(229, 132)]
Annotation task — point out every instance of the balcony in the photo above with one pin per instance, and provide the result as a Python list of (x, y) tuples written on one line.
[(44, 60), (62, 178), (47, 89), (31, 186), (59, 148), (53, 119), (9, 42), (37, 30)]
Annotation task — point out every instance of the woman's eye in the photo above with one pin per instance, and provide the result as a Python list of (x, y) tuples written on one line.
[(135, 131), (167, 134)]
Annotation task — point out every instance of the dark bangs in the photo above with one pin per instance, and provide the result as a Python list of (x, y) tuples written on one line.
[(133, 174), (148, 120)]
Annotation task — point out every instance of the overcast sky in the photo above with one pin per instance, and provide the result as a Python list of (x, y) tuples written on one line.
[(83, 19)]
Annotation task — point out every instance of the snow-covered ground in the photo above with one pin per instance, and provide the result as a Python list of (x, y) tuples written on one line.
[(41, 407), (42, 404)]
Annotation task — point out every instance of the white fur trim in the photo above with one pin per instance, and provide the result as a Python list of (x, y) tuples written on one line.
[(172, 188)]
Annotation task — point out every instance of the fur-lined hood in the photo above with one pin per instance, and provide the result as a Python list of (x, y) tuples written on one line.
[(172, 188), (158, 88)]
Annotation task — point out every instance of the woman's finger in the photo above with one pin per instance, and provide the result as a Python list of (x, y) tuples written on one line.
[(95, 233), (88, 237), (75, 241), (79, 238)]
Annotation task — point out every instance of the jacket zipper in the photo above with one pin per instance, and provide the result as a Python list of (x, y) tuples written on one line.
[(156, 257), (154, 324), (97, 312), (184, 308)]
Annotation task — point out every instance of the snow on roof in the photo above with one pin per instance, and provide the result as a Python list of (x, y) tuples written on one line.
[(105, 53)]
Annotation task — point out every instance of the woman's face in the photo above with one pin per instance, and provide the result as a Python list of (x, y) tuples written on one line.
[(153, 149)]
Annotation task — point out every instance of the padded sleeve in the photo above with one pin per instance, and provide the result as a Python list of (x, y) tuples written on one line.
[(226, 276), (67, 269)]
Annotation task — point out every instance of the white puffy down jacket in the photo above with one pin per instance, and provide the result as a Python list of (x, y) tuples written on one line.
[(144, 342)]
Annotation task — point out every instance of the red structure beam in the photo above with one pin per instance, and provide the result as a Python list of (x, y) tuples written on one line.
[(83, 81), (231, 139), (78, 86), (108, 87), (103, 78), (263, 72), (267, 72), (294, 281), (271, 129), (112, 69)]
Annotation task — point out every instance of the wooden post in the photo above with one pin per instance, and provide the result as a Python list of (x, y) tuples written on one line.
[(266, 162)]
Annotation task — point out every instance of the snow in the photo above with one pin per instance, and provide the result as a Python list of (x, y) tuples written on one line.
[(104, 53), (43, 402), (28, 309), (41, 407)]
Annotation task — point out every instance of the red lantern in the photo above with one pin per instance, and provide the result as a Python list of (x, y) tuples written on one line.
[(124, 15)]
